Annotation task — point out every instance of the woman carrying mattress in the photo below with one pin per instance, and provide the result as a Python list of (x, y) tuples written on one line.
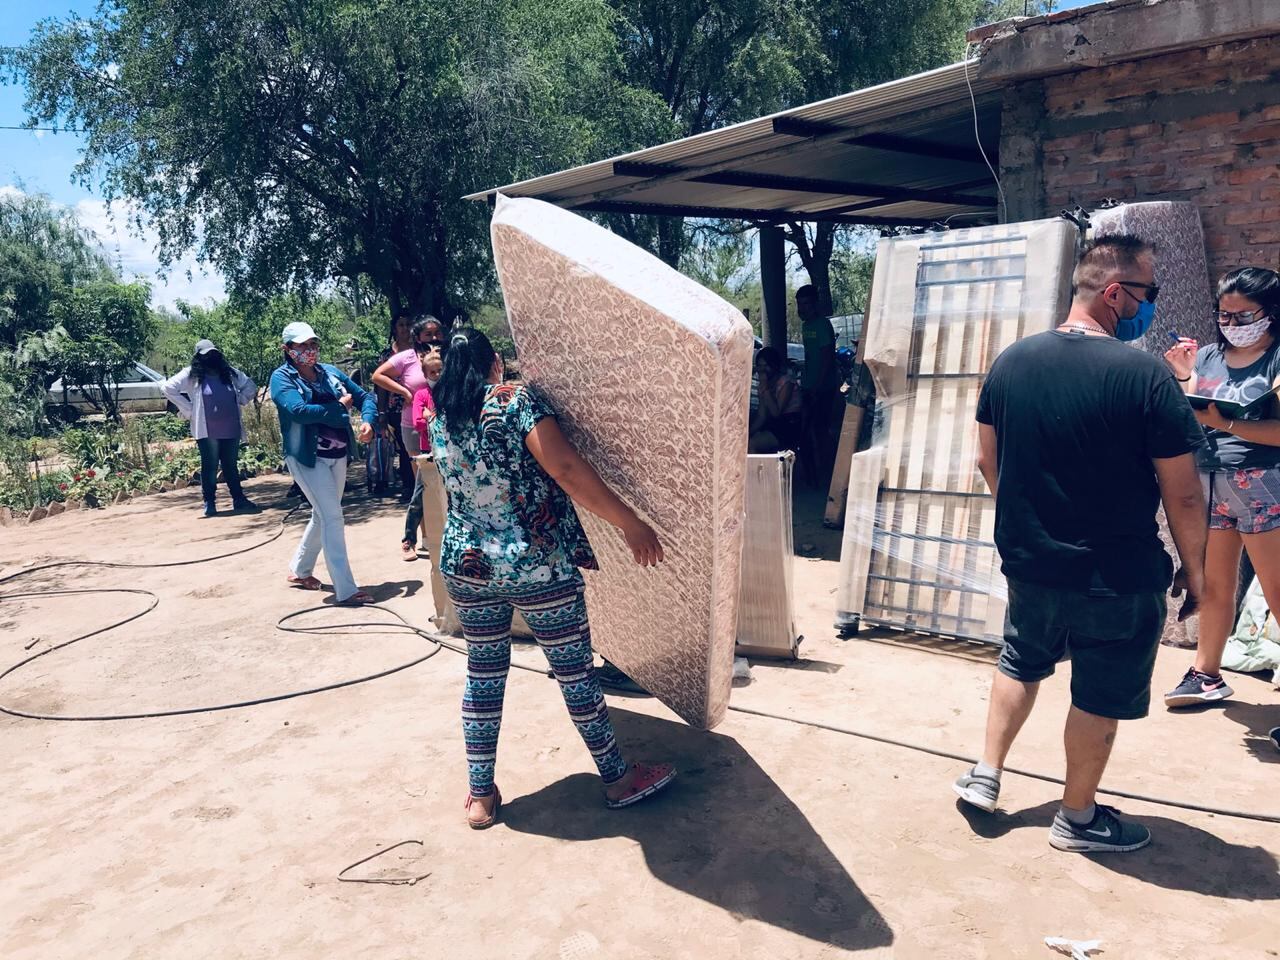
[(513, 540)]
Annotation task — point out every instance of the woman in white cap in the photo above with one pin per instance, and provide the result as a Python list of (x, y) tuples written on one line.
[(315, 401), (210, 394)]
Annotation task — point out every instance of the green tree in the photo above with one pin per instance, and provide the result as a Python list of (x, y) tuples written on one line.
[(247, 332), (859, 46), (292, 142), (106, 326), (712, 64)]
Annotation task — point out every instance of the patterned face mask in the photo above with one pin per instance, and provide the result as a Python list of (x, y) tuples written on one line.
[(1247, 335), (304, 356)]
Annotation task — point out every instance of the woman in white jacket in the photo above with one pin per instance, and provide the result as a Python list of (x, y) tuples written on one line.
[(210, 394)]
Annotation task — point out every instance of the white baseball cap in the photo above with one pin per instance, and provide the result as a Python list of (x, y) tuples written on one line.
[(298, 332), (205, 346)]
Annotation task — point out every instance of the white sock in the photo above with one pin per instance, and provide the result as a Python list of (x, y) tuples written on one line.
[(1080, 817), (981, 769)]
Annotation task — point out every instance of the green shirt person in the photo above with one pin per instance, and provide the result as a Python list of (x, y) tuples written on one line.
[(821, 374)]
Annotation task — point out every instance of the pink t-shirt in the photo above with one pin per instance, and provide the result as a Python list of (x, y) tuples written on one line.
[(423, 403), (407, 371)]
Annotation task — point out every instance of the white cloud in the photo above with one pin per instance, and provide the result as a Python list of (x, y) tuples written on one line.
[(134, 254), (39, 134)]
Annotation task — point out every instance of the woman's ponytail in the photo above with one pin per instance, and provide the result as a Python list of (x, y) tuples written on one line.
[(459, 393)]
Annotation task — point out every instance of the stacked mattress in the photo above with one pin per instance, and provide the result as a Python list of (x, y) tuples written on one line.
[(918, 551), (650, 375), (1182, 269)]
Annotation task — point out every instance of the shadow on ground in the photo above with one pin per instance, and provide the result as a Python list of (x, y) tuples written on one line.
[(1258, 719), (723, 832), (1180, 856)]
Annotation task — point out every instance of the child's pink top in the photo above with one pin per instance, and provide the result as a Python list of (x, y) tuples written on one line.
[(423, 403)]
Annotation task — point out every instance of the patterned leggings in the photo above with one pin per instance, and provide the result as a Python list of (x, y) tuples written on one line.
[(557, 614)]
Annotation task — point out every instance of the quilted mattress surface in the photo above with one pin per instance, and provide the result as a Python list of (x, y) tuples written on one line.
[(650, 376)]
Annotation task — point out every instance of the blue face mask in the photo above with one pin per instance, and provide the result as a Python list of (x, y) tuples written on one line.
[(1131, 328)]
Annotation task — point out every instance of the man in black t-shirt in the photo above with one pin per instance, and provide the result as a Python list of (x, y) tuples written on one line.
[(1081, 439)]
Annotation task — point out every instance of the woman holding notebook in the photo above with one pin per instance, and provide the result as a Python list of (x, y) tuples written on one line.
[(1239, 464)]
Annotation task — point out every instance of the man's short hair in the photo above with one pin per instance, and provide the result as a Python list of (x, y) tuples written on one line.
[(808, 290), (1107, 260)]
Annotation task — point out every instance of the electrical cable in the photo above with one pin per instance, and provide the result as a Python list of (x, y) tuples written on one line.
[(439, 642), (977, 136)]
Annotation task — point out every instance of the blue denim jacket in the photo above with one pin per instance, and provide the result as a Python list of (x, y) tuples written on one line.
[(299, 416)]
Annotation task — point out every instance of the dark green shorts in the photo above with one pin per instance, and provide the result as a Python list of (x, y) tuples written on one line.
[(1112, 642)]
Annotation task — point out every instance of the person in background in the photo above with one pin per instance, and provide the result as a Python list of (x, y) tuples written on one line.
[(513, 540), (390, 403), (1081, 438), (401, 376), (210, 393), (820, 382), (315, 401), (778, 420), (432, 361), (1239, 465)]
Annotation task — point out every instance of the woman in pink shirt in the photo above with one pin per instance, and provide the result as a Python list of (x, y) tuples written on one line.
[(402, 374)]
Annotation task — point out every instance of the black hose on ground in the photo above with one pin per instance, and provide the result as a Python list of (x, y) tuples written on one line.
[(440, 641)]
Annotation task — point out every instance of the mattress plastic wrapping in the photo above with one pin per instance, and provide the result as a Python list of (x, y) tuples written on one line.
[(918, 551), (650, 375), (1186, 301), (766, 606)]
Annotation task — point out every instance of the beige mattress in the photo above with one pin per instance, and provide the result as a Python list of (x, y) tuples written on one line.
[(1182, 269), (650, 374)]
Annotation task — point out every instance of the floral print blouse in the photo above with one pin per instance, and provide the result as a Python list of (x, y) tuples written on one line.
[(508, 521)]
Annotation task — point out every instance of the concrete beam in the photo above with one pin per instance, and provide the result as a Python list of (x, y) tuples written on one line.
[(1118, 32), (1022, 125)]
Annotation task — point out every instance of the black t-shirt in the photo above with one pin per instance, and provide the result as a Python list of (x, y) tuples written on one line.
[(1078, 420), (1226, 451)]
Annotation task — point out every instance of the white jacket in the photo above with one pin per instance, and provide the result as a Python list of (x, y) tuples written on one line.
[(191, 405)]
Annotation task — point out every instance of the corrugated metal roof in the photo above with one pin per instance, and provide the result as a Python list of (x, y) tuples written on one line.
[(935, 104)]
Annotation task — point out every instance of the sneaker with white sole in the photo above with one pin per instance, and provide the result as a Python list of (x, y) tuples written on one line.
[(1106, 833), (1197, 688), (978, 790)]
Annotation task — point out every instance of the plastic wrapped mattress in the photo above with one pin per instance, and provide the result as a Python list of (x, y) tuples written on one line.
[(650, 375), (918, 552)]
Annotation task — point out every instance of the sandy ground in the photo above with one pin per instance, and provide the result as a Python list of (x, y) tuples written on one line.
[(222, 834)]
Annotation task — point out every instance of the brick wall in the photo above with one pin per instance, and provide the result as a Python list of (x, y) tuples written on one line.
[(1202, 126)]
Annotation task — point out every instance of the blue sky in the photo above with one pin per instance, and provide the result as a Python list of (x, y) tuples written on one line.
[(44, 163)]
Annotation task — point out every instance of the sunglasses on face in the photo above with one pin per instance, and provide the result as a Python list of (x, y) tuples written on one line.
[(1152, 289), (1237, 318)]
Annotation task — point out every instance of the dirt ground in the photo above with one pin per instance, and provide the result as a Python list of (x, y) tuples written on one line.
[(222, 834)]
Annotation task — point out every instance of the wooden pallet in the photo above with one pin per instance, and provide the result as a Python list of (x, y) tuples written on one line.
[(945, 307)]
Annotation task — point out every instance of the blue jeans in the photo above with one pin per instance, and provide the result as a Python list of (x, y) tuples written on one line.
[(323, 485), (219, 453)]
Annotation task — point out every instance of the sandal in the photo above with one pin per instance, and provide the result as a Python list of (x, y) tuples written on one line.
[(304, 583), (490, 820), (408, 552), (649, 780), (357, 599)]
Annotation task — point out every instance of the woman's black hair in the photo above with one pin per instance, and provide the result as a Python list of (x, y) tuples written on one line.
[(772, 357), (395, 320), (1258, 284), (422, 324), (203, 364), (460, 392)]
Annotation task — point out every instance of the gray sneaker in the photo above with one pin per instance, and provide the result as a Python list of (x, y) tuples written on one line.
[(1105, 833), (978, 790), (1197, 688)]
